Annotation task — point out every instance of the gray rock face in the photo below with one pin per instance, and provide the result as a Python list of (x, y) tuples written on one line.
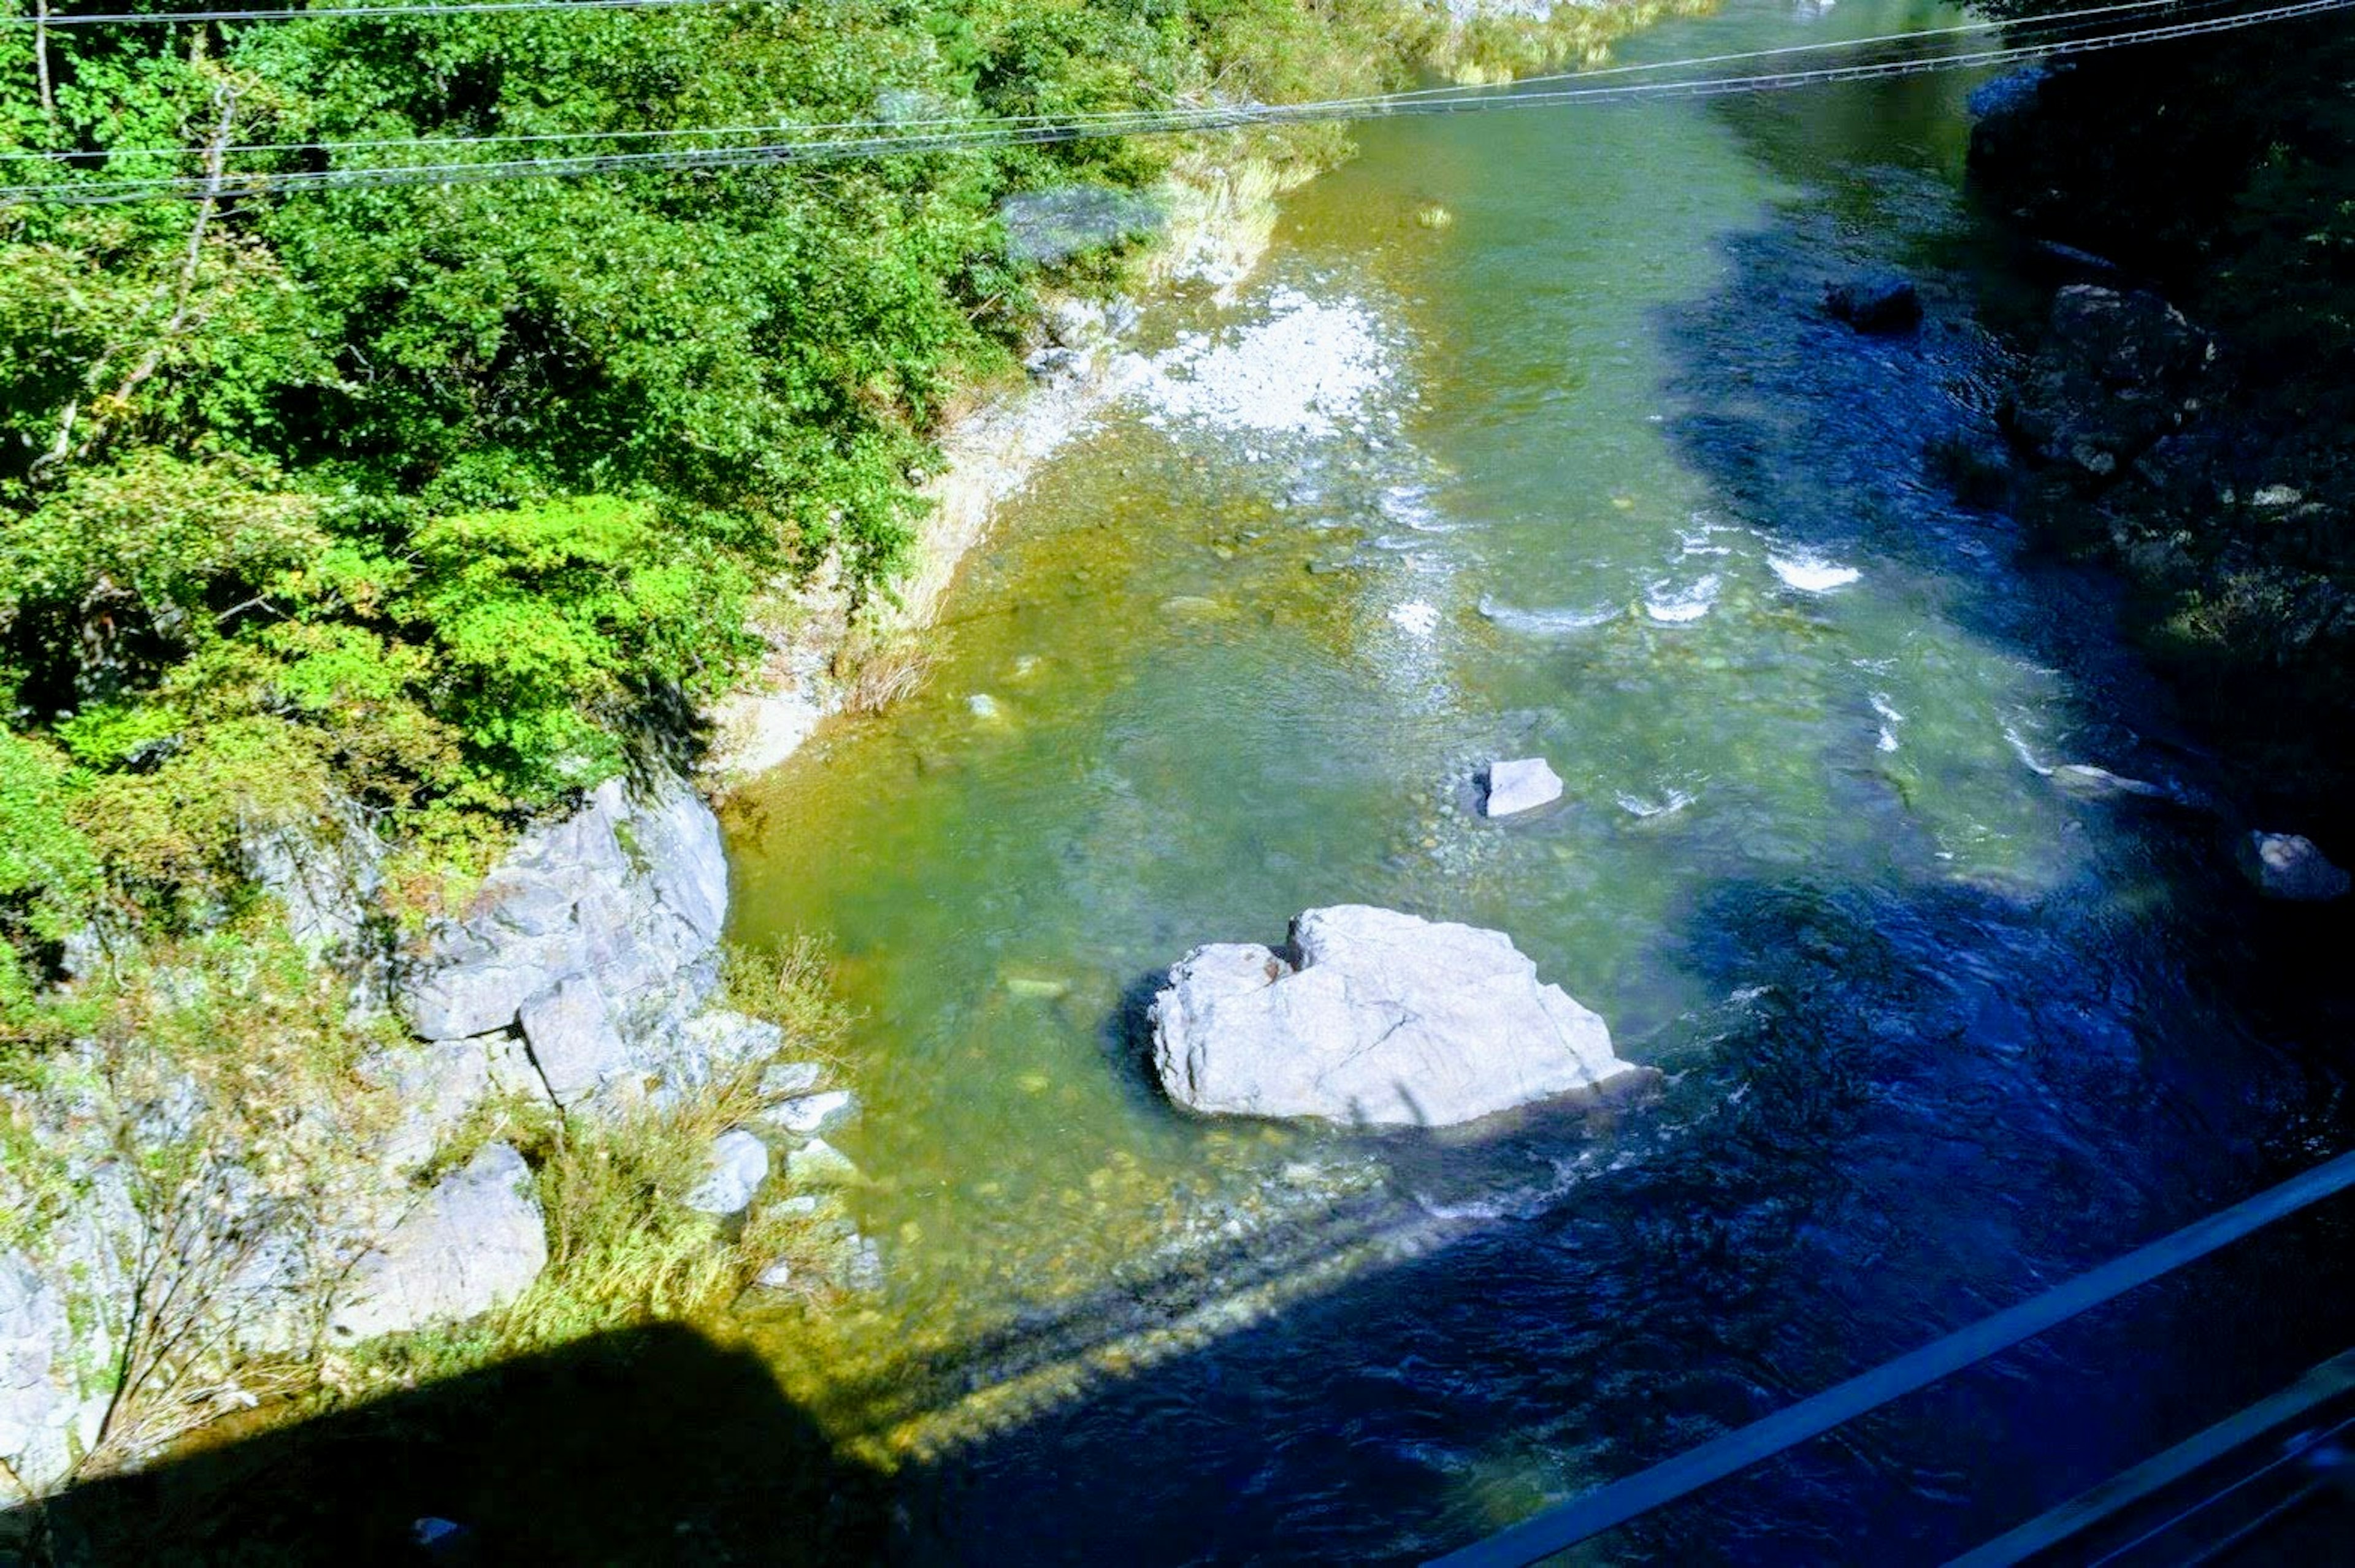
[(1387, 1020), (474, 1244), (435, 1085), (36, 1407), (627, 891), (791, 1078), (573, 1038), (1522, 784), (2288, 866), (326, 878), (739, 1164)]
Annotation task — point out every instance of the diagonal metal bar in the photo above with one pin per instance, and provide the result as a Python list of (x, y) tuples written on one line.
[(1581, 1518)]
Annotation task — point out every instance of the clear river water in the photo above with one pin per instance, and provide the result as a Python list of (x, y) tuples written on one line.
[(1585, 473)]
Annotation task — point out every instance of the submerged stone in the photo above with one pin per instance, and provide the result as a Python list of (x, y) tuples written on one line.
[(818, 1163), (1385, 1020), (2288, 866), (1883, 302)]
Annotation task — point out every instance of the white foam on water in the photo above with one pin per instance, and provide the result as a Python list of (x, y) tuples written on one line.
[(1812, 573), (1410, 506), (1416, 617), (1306, 368), (1669, 806), (1696, 540), (1684, 606), (1889, 719), (2019, 749), (1546, 623), (1676, 800)]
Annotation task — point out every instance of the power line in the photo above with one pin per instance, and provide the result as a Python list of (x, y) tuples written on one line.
[(349, 13), (998, 135), (2033, 24)]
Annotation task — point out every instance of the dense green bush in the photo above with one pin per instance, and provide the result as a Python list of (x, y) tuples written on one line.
[(442, 499)]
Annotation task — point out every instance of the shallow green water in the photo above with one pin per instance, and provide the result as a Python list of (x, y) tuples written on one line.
[(1203, 677)]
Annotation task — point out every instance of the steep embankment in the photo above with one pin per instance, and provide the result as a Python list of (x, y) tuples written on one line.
[(2185, 405)]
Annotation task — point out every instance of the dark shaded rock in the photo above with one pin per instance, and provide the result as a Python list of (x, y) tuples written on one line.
[(1976, 466), (1883, 302), (2003, 131), (2132, 341), (2288, 866), (2119, 372)]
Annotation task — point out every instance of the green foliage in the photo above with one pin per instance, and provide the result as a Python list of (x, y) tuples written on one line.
[(49, 873), (548, 622), (791, 984), (450, 500)]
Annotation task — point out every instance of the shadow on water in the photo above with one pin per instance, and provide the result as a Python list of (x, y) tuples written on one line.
[(1940, 1096), (651, 1445)]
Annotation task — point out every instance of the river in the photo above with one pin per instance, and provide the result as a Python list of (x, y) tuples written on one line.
[(1530, 438)]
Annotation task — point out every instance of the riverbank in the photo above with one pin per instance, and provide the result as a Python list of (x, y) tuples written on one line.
[(2183, 409), (825, 650)]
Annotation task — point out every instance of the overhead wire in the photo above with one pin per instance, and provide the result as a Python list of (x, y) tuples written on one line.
[(345, 13), (995, 135), (871, 125)]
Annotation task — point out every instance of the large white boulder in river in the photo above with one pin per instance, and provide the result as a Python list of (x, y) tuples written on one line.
[(1386, 1020)]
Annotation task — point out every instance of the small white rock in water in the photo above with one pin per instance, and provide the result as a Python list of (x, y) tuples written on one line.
[(1519, 785), (1812, 574), (778, 1275), (811, 1112), (2288, 866), (1676, 608), (791, 1078), (1415, 618), (818, 1163), (2083, 778), (983, 705), (739, 1164)]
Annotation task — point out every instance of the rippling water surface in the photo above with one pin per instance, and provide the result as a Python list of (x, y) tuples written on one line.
[(1592, 479)]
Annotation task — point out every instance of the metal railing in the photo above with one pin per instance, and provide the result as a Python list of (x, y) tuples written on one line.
[(1606, 1508)]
